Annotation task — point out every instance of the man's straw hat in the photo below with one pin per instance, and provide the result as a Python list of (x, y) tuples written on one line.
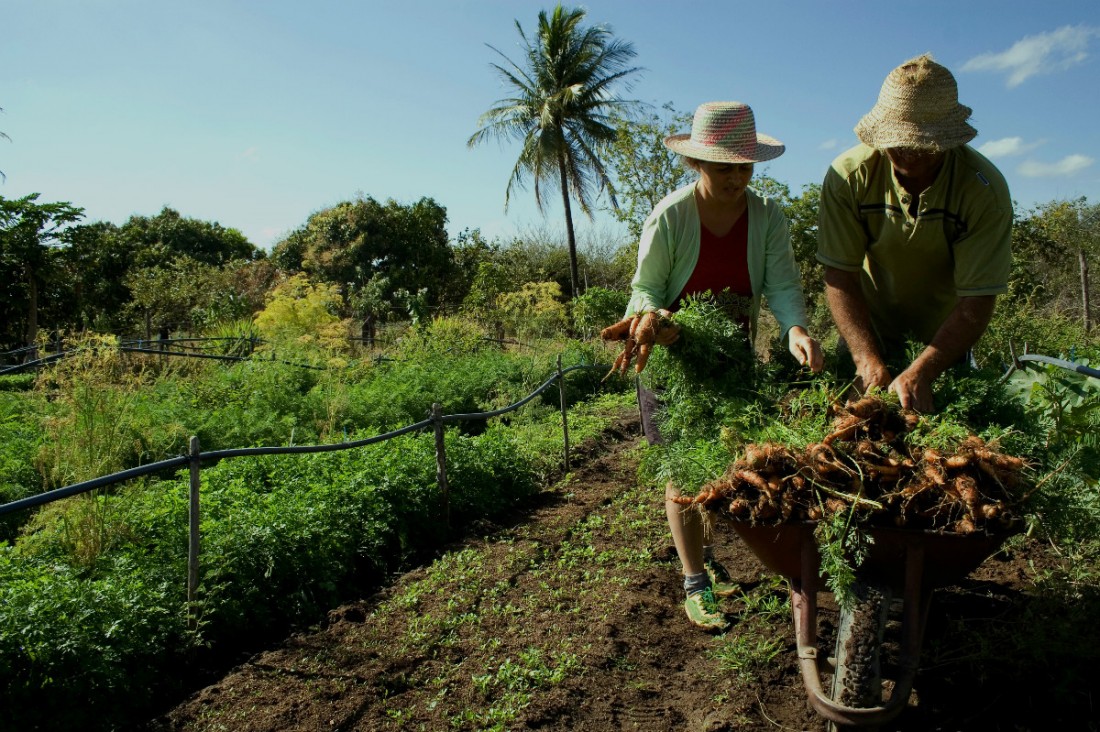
[(918, 107), (725, 132)]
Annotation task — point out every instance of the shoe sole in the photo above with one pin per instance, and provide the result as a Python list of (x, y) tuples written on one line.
[(720, 626)]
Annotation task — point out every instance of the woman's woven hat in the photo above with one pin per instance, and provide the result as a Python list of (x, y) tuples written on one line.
[(725, 132), (918, 108)]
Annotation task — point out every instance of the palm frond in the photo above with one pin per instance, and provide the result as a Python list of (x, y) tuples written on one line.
[(561, 108)]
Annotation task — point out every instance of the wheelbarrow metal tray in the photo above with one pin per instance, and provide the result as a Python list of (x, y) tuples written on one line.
[(948, 556)]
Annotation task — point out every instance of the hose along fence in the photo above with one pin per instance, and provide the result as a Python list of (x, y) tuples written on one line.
[(28, 358), (436, 421)]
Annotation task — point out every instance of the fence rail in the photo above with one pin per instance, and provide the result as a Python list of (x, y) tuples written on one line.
[(195, 457)]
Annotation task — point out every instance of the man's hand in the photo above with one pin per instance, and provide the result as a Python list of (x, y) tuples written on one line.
[(914, 389), (871, 372), (805, 349)]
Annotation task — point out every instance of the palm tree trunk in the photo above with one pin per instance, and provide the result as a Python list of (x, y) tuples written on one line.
[(574, 277)]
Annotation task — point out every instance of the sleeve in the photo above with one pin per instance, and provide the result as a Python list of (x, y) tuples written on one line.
[(841, 240), (649, 288), (782, 282), (983, 255)]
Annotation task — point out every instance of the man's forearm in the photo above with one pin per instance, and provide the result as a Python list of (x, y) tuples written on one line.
[(958, 334), (845, 297)]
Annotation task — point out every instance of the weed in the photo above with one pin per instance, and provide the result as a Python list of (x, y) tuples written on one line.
[(744, 652)]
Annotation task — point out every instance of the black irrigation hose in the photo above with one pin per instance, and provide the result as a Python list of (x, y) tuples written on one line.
[(127, 349), (215, 455)]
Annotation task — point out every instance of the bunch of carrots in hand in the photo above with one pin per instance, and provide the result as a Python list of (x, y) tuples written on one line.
[(640, 332)]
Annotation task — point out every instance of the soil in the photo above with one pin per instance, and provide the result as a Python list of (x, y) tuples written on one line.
[(583, 581)]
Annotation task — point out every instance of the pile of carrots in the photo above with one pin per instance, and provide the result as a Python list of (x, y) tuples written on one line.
[(866, 465)]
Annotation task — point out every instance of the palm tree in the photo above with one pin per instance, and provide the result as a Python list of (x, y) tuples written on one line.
[(562, 111), (2, 176)]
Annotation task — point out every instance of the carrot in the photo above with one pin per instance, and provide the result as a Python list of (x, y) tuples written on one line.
[(754, 479), (965, 526), (957, 462), (991, 511), (866, 406), (844, 429), (617, 331), (740, 507)]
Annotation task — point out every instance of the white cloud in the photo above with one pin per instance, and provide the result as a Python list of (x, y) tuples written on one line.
[(1040, 54), (830, 144), (1066, 166), (1007, 146), (252, 154)]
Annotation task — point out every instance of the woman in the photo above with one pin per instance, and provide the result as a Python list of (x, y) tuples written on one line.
[(717, 234)]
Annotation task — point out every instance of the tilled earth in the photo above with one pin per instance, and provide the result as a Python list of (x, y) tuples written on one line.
[(568, 615)]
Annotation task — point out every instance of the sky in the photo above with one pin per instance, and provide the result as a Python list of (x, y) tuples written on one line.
[(257, 114)]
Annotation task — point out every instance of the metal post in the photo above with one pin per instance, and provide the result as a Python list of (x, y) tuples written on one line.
[(564, 412), (193, 540), (441, 462)]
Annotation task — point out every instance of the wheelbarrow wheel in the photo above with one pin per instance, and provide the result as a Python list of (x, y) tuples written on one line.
[(857, 681)]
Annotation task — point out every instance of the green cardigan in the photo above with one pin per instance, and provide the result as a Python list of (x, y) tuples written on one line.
[(669, 250)]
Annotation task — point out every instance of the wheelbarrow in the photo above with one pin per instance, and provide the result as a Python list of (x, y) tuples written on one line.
[(904, 563)]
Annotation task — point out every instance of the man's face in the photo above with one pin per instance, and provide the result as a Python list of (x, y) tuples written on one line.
[(915, 164)]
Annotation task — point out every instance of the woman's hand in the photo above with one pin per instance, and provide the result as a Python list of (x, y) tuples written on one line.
[(667, 331), (640, 331), (805, 349)]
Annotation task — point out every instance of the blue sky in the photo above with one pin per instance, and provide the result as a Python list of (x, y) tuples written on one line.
[(257, 114)]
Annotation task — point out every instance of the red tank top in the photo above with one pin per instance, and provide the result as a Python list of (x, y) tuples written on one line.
[(724, 264)]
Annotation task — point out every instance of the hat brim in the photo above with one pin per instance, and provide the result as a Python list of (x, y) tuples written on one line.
[(882, 130), (767, 148)]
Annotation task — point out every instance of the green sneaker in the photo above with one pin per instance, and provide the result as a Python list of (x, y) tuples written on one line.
[(702, 610), (720, 580)]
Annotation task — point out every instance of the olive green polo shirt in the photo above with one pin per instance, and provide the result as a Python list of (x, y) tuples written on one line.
[(916, 267)]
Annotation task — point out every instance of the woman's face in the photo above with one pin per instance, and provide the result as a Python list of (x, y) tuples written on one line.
[(725, 182)]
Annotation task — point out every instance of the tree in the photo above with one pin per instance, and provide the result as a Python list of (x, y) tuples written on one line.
[(29, 231), (355, 242), (157, 240), (644, 170), (1049, 245), (2, 176), (168, 296), (562, 111), (802, 214), (95, 262)]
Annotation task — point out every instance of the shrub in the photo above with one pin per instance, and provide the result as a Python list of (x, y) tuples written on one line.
[(596, 309), (533, 311)]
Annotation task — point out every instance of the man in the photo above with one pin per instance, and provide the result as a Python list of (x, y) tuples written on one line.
[(915, 234)]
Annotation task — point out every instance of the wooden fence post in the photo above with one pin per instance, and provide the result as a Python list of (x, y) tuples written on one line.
[(1085, 304), (441, 461), (564, 411), (193, 539)]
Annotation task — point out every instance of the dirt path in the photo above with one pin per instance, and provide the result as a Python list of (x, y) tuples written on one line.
[(568, 617)]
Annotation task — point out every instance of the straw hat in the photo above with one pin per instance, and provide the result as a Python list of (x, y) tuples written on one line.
[(725, 132), (918, 107)]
